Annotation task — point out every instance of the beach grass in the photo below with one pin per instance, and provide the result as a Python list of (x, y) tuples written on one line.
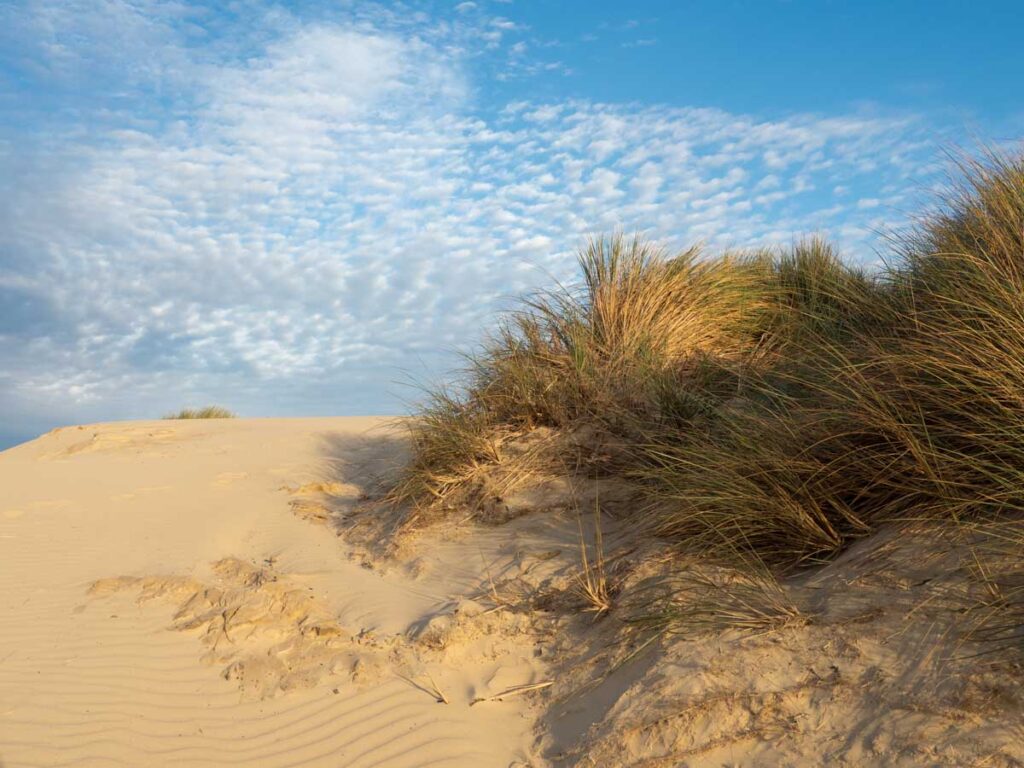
[(772, 406), (208, 412)]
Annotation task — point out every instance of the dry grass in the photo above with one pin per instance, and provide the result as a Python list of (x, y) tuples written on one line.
[(209, 412), (516, 690), (431, 688), (592, 581), (748, 598), (774, 406), (450, 441), (753, 471), (586, 353), (641, 324)]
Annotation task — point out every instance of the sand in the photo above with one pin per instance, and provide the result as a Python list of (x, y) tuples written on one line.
[(228, 592), (252, 621)]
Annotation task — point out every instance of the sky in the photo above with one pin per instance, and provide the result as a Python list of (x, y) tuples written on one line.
[(307, 208)]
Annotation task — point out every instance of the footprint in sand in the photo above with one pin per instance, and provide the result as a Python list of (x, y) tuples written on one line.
[(328, 488), (264, 629), (320, 502)]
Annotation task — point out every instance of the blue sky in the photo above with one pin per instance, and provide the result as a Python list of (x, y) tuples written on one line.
[(295, 208)]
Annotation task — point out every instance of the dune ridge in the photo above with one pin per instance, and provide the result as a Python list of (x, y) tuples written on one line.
[(164, 606)]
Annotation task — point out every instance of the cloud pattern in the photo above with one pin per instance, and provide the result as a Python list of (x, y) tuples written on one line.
[(290, 221)]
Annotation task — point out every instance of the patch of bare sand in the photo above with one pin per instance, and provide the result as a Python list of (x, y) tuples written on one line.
[(874, 668), (237, 593), (162, 606)]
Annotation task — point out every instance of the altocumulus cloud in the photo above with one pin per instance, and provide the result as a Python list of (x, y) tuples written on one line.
[(284, 214)]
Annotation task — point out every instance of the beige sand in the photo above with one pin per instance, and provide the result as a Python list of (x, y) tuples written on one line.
[(226, 593), (288, 651)]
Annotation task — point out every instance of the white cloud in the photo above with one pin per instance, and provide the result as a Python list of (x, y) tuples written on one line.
[(331, 209)]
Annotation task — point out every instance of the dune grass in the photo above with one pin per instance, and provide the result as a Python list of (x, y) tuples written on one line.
[(209, 412), (773, 406), (592, 585), (640, 324)]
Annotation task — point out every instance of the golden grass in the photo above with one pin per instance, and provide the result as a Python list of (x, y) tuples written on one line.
[(773, 406), (209, 412), (693, 601), (592, 581), (996, 619), (596, 353)]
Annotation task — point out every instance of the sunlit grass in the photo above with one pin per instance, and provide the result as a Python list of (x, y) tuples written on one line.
[(209, 412), (773, 406)]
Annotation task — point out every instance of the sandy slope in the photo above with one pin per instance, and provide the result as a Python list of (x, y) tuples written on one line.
[(162, 605), (226, 593)]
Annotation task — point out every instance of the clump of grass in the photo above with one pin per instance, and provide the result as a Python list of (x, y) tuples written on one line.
[(695, 600), (928, 403), (813, 294), (754, 473), (773, 405), (449, 440), (996, 615), (956, 368), (745, 486), (209, 412), (707, 372), (600, 352), (890, 398), (582, 354), (591, 583)]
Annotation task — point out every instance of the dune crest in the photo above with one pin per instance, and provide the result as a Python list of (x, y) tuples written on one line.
[(163, 604)]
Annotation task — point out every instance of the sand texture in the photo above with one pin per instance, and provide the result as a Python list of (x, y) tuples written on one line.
[(163, 605), (230, 592)]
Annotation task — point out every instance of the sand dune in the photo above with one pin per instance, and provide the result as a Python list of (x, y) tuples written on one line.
[(226, 593), (164, 605)]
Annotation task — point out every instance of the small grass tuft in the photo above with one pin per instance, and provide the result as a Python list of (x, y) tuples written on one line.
[(591, 583), (209, 412), (696, 600)]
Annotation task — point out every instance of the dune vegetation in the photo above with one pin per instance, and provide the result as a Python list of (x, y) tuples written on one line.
[(209, 412), (770, 407)]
